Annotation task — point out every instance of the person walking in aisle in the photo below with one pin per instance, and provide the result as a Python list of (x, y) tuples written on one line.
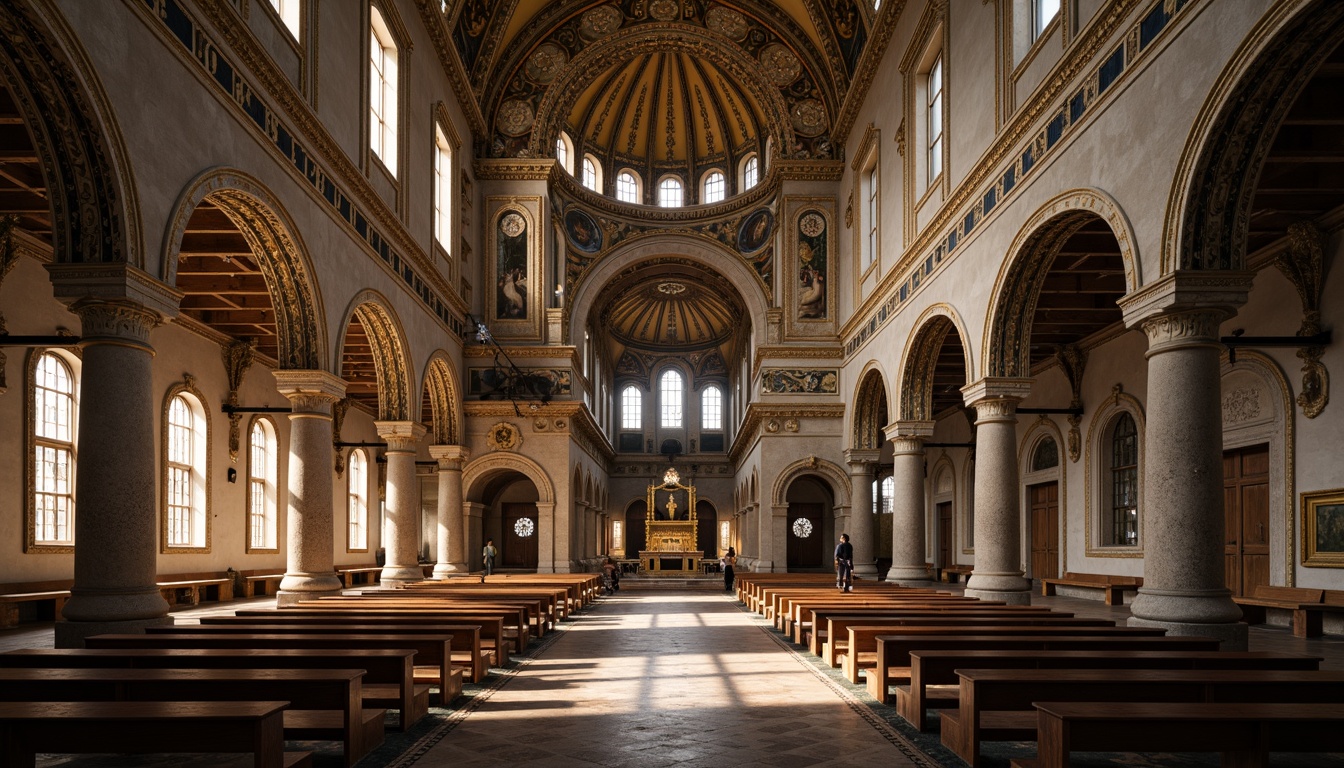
[(729, 560), (488, 555), (844, 564)]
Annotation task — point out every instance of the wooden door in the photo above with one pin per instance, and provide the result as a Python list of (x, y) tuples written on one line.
[(634, 529), (1044, 530), (805, 552), (944, 534), (517, 551), (1246, 511)]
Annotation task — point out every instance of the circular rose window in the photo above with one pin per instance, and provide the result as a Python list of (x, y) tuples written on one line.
[(524, 527), (802, 528)]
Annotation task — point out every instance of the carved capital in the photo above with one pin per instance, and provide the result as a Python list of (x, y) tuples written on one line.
[(400, 436), (1187, 290), (996, 389), (310, 392), (450, 457), (1190, 328), (909, 428), (115, 321), (907, 445), (860, 461)]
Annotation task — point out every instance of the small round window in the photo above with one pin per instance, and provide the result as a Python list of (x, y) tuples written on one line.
[(802, 528), (524, 527)]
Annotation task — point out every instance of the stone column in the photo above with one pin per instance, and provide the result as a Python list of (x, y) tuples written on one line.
[(908, 537), (861, 512), (403, 502), (553, 541), (451, 558), (474, 533), (309, 519), (998, 571), (765, 551), (1182, 526), (116, 528)]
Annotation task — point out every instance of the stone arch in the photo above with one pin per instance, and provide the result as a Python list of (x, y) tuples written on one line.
[(95, 212), (921, 354), (754, 492), (278, 249), (1208, 212), (828, 472), (870, 409), (1006, 348), (445, 399), (390, 357), (477, 473), (700, 250)]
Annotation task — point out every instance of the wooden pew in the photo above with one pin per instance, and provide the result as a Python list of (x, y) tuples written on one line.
[(1307, 606), (432, 650), (997, 704), (546, 607), (192, 588), (790, 608), (531, 611), (951, 574), (860, 653), (389, 673), (147, 727), (469, 650), (818, 625), (352, 575), (499, 626), (264, 581), (324, 704), (893, 651), (517, 631), (934, 682), (1244, 734), (1112, 586), (834, 640), (47, 597)]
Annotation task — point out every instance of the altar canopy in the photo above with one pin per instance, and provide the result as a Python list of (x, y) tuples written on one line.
[(670, 529)]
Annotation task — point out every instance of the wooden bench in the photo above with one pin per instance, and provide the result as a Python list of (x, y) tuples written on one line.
[(951, 574), (44, 599), (814, 632), (261, 582), (1244, 734), (324, 704), (934, 683), (997, 704), (518, 619), (432, 650), (191, 588), (147, 727), (389, 673), (359, 574), (894, 651), (1307, 606), (1113, 587), (493, 640)]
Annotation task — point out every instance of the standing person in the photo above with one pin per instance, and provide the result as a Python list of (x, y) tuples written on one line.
[(729, 560), (488, 555), (609, 577), (844, 564)]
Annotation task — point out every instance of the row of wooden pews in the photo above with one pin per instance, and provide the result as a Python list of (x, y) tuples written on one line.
[(326, 670), (991, 673)]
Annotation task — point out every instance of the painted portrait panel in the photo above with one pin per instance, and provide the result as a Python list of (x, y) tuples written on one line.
[(511, 267), (583, 231), (755, 231), (1323, 528), (813, 258)]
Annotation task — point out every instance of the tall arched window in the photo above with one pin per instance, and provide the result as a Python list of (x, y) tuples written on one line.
[(1046, 455), (1123, 510), (627, 187), (291, 13), (711, 409), (187, 438), (671, 394), (382, 91), (715, 188), (631, 408), (751, 172), (262, 464), (54, 452), (357, 509), (562, 153), (669, 192), (443, 189), (883, 490), (591, 179)]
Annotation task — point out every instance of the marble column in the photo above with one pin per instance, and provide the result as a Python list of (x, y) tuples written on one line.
[(451, 552), (116, 528), (310, 570), (402, 540), (998, 571), (861, 522), (1182, 524), (909, 513)]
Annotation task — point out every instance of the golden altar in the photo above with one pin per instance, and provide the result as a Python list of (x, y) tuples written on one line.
[(670, 535)]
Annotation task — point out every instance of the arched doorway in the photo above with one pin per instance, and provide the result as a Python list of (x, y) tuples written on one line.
[(706, 531), (634, 528), (809, 500), (510, 517)]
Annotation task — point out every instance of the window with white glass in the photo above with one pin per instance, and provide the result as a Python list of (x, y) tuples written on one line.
[(750, 172), (54, 449), (261, 475), (872, 200), (669, 192), (357, 504), (711, 409), (631, 404), (443, 190), (671, 393), (564, 153), (627, 187), (935, 115), (1042, 13), (382, 91), (185, 467), (591, 179), (291, 13), (715, 188)]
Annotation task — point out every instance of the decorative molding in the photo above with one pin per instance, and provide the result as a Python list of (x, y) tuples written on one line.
[(400, 436), (871, 136), (807, 170), (388, 343), (757, 414), (514, 168), (1072, 360), (1303, 263), (338, 411), (870, 410), (237, 359)]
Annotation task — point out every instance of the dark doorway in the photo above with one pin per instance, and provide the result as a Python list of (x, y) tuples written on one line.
[(634, 529), (945, 534), (518, 550), (706, 529)]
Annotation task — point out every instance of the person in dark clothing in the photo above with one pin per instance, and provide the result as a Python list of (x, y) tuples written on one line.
[(844, 564), (729, 560)]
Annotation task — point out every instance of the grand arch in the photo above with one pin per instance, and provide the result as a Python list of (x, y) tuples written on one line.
[(870, 409), (390, 359), (444, 396), (922, 353), (278, 250), (1006, 348), (828, 472)]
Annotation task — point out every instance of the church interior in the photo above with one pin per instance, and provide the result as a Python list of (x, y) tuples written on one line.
[(396, 317)]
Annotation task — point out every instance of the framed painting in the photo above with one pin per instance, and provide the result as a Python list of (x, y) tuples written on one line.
[(1323, 528)]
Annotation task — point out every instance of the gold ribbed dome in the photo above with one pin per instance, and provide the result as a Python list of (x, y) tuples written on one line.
[(668, 306)]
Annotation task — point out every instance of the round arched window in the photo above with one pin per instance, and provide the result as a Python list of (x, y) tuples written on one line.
[(524, 527), (802, 527)]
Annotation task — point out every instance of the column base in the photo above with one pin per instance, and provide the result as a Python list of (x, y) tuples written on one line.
[(907, 574), (396, 575), (1007, 597), (445, 570), (1211, 606), (95, 606), (288, 599), (71, 634), (923, 583), (1231, 636), (763, 566), (997, 582), (315, 584), (868, 572)]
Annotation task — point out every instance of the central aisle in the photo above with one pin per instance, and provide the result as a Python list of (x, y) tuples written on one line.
[(651, 679)]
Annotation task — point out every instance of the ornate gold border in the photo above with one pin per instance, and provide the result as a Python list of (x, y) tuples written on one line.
[(1311, 502), (30, 546), (530, 207), (188, 385), (1093, 455), (793, 207)]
